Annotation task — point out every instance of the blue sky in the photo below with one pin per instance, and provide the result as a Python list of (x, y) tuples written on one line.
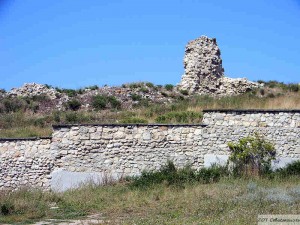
[(73, 44)]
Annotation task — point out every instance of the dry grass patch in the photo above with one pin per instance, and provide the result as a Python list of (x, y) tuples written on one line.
[(230, 201)]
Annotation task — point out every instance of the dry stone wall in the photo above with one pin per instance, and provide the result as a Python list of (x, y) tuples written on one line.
[(282, 127), (77, 153), (126, 150), (25, 162)]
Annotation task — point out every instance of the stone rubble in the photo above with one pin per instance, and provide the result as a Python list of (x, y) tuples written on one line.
[(33, 89), (204, 73)]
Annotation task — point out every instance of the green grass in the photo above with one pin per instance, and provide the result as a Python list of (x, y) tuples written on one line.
[(229, 201), (168, 196)]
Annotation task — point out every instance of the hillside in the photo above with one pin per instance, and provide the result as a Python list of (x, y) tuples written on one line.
[(32, 109)]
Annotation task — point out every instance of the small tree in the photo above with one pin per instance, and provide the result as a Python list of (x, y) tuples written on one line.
[(251, 155)]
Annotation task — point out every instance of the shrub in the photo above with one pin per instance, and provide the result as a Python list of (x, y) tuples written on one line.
[(13, 104), (99, 102), (6, 208), (169, 87), (135, 85), (293, 87), (115, 104), (71, 117), (291, 169), (184, 92), (93, 87), (73, 104), (211, 174), (144, 90), (251, 155), (172, 176), (70, 92), (136, 97), (150, 85), (271, 95), (56, 116), (48, 86)]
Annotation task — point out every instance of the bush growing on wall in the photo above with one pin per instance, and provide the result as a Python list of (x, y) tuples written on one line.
[(251, 155)]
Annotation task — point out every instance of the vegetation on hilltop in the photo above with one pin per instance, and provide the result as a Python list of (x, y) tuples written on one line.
[(33, 116)]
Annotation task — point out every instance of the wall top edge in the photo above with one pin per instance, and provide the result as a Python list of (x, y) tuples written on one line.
[(25, 139), (252, 110), (58, 126)]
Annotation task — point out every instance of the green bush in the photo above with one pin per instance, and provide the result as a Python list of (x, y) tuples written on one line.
[(99, 102), (251, 155), (13, 104), (293, 87), (150, 85), (135, 85), (56, 116), (114, 103), (136, 97), (93, 87), (290, 170), (71, 117), (73, 104), (169, 87), (144, 90), (6, 208)]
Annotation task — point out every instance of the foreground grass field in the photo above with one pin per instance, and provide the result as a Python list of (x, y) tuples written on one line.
[(229, 201)]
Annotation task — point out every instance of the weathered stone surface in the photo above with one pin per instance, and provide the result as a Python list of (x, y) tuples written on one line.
[(204, 73)]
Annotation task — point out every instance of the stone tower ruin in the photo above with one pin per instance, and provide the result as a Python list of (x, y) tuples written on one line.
[(204, 73)]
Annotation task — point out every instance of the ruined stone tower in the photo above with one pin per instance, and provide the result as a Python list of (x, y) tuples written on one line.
[(204, 73)]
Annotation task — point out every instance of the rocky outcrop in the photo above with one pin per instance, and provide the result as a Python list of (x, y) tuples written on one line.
[(204, 73), (33, 89)]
